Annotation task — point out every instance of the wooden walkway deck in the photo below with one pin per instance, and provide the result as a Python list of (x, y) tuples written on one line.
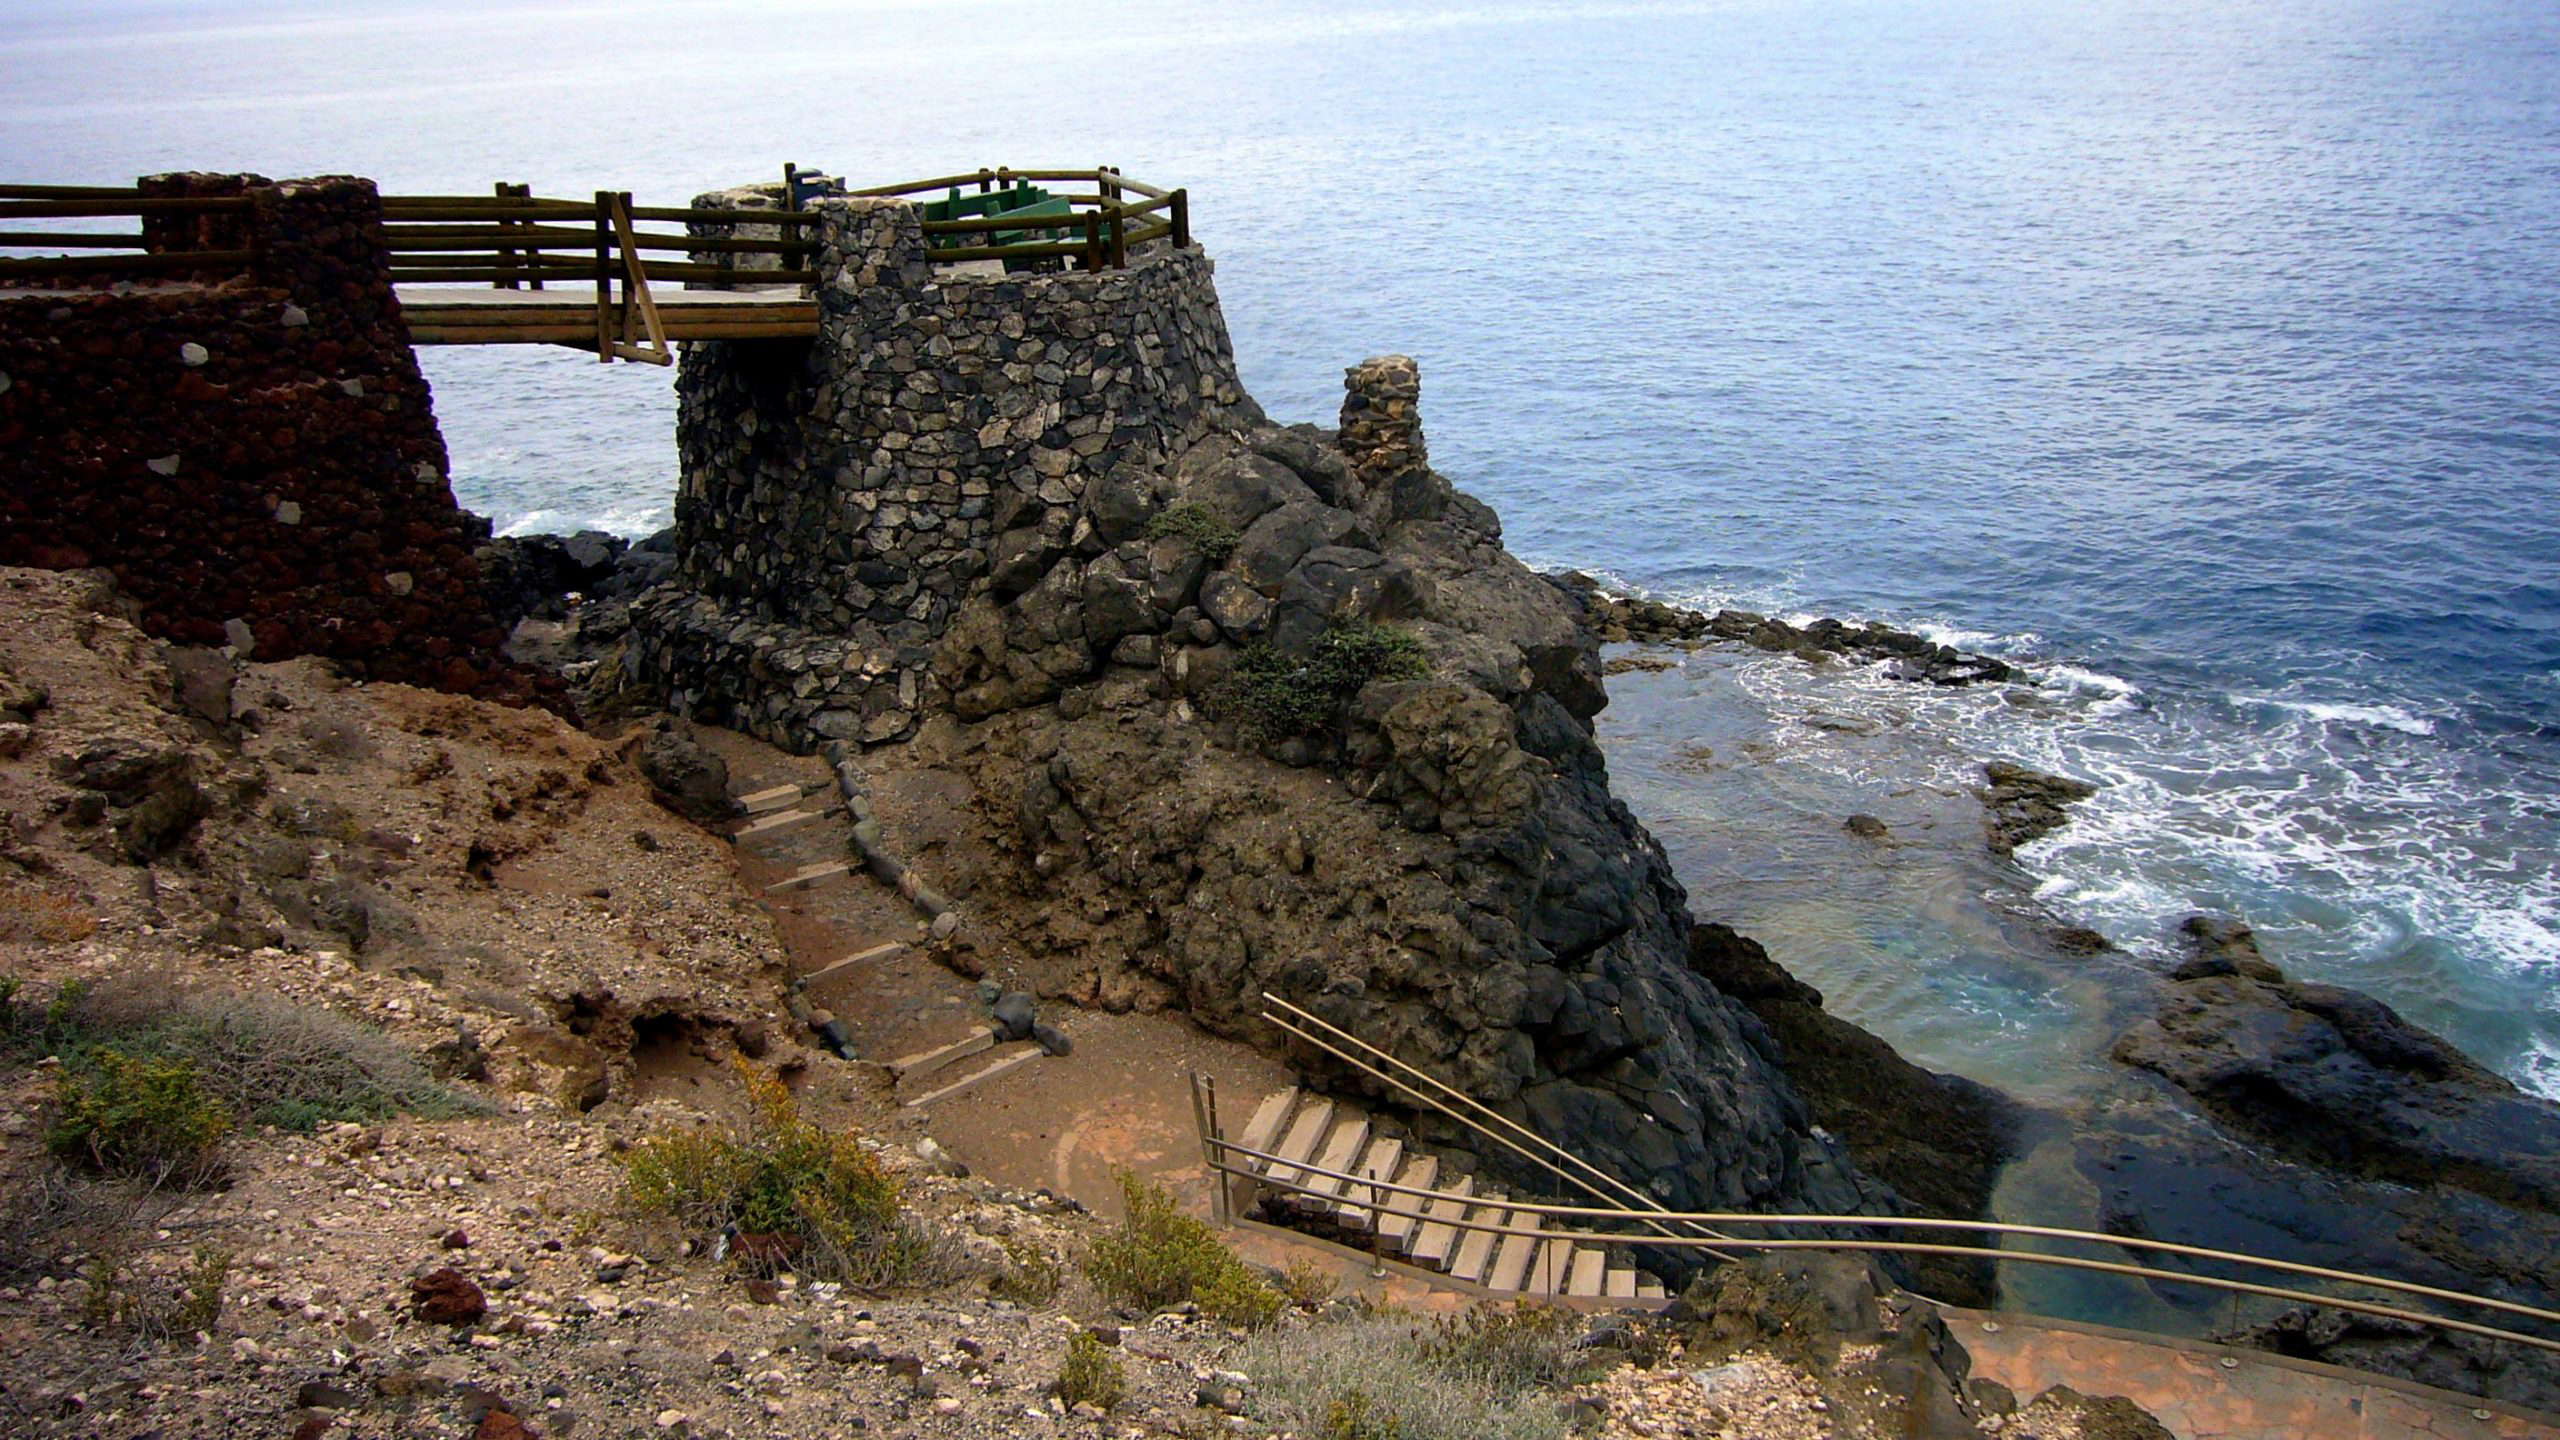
[(464, 315)]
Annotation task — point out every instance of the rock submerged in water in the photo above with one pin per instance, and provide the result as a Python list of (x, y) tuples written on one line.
[(2026, 805)]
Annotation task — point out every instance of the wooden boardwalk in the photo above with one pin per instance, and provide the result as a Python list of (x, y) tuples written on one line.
[(460, 315)]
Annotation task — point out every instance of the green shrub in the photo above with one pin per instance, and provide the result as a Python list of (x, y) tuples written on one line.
[(1161, 1257), (113, 1296), (1277, 696), (1091, 1375), (1211, 536), (1354, 1416), (144, 1117), (1388, 1377), (1031, 1275), (793, 1194), (1308, 1284), (1509, 1347), (270, 1061)]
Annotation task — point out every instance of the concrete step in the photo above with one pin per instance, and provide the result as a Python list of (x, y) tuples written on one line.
[(1620, 1284), (765, 801), (1589, 1274), (859, 957), (1385, 1154), (1551, 1268), (778, 820), (1001, 1061), (1513, 1258), (925, 1062), (1306, 1131), (1474, 1258), (807, 876), (1267, 1119), (1400, 1216), (1648, 1288), (1436, 1241), (1340, 1155)]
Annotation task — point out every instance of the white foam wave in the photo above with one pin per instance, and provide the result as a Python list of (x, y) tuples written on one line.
[(2386, 717)]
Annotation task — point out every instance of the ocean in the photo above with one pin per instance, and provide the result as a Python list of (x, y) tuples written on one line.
[(2204, 358)]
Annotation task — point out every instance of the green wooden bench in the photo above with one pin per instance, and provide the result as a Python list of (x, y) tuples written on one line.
[(1026, 202)]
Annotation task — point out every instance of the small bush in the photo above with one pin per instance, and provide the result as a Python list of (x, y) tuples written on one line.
[(1308, 1284), (113, 1297), (1278, 696), (150, 1118), (1091, 1375), (266, 1061), (1031, 1276), (1511, 1347), (1355, 1416), (1161, 1257), (28, 914), (1386, 1377), (1211, 536), (788, 1193)]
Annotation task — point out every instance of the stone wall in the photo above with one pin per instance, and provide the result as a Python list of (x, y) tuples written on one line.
[(841, 497), (255, 457)]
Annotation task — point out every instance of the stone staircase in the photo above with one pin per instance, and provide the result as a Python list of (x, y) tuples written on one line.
[(1303, 1130), (803, 822)]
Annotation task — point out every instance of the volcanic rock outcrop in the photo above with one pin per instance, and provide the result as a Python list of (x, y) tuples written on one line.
[(1285, 716)]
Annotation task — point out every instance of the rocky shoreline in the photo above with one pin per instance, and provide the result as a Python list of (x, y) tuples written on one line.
[(1090, 772)]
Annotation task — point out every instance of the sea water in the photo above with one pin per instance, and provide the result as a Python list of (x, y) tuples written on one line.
[(2202, 357)]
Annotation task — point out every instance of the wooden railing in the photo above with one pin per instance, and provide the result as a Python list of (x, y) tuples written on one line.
[(512, 239), (144, 252)]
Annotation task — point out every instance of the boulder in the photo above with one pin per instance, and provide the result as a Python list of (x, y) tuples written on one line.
[(2025, 805), (685, 776)]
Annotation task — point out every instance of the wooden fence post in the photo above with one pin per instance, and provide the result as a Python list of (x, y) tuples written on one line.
[(1093, 242), (1182, 219), (604, 276)]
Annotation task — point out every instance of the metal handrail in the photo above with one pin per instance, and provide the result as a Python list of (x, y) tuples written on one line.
[(1903, 1247), (1550, 1160)]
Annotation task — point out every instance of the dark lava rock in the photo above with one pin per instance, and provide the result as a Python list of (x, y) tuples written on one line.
[(1866, 827), (2427, 1354), (2343, 1137), (151, 791), (687, 777), (445, 1296), (1434, 863), (533, 575), (2223, 947), (1938, 1140), (2338, 1079), (2026, 805), (1622, 619), (1015, 1015)]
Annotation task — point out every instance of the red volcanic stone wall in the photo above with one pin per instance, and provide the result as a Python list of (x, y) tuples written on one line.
[(256, 457)]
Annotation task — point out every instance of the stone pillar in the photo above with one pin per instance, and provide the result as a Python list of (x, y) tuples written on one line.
[(1382, 438)]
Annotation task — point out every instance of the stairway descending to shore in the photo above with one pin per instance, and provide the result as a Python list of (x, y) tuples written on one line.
[(803, 827), (1306, 1134)]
